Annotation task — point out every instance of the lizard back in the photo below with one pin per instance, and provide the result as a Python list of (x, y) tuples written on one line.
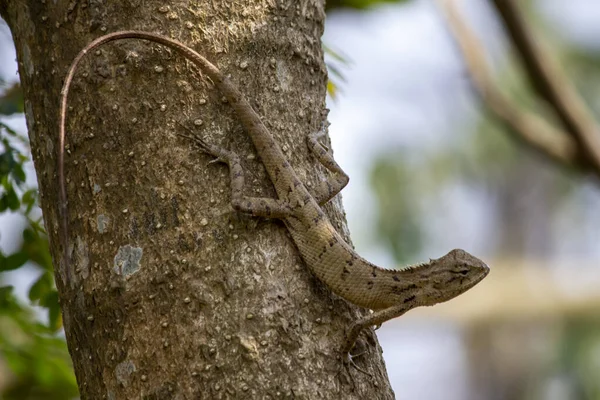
[(334, 262)]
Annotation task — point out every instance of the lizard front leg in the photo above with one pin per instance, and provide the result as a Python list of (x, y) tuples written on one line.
[(334, 184), (377, 318), (255, 206)]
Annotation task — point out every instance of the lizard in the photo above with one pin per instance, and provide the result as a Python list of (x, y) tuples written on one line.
[(389, 293)]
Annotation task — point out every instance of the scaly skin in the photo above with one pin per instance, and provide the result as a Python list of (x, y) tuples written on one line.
[(390, 293)]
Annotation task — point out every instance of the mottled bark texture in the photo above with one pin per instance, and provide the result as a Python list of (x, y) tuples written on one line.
[(174, 295)]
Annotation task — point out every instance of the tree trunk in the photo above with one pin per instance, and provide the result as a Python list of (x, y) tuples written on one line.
[(173, 294)]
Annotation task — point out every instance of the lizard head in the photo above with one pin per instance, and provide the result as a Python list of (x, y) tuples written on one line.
[(450, 276)]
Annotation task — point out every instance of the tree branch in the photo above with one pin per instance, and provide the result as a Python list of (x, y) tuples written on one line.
[(550, 83), (527, 127)]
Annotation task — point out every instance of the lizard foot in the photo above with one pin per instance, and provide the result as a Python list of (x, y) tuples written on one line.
[(344, 369), (348, 360), (347, 357), (221, 155), (318, 135), (205, 147)]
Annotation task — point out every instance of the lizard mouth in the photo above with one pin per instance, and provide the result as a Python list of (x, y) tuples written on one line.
[(478, 279)]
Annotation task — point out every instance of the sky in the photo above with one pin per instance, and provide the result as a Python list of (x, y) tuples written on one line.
[(395, 95)]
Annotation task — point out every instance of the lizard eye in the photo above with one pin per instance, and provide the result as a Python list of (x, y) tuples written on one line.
[(463, 272)]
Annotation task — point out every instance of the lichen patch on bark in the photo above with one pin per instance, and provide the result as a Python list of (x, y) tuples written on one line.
[(127, 260)]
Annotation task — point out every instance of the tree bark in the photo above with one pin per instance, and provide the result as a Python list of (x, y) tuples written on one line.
[(174, 295)]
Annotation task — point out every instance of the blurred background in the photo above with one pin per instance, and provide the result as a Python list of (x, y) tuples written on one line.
[(430, 171)]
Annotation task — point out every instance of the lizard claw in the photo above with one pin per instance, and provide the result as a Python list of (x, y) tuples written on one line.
[(348, 359), (219, 154), (214, 161), (321, 133)]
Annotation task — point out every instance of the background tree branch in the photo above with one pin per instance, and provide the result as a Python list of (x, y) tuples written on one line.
[(577, 143)]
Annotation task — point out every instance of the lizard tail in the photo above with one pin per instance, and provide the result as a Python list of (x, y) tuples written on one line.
[(215, 75)]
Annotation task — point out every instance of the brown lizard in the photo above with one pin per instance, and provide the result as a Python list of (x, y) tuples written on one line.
[(389, 293)]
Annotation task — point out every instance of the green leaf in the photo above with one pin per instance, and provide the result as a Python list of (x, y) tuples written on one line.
[(50, 301), (13, 261), (18, 174), (29, 198), (35, 245), (41, 288), (336, 55), (336, 72), (8, 129), (6, 163), (6, 295), (11, 101), (332, 89), (12, 200), (358, 4)]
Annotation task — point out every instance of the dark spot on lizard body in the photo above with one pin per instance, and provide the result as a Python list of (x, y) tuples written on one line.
[(370, 285), (409, 299), (399, 290), (322, 252), (345, 273), (350, 262), (395, 278), (374, 272), (319, 217)]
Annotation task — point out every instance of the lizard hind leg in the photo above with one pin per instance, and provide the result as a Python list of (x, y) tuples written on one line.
[(349, 361), (374, 319), (334, 184), (255, 206), (220, 154), (344, 369)]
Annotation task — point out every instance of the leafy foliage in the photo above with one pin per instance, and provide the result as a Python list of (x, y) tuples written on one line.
[(11, 101), (335, 61), (399, 217), (358, 4), (35, 357), (37, 360)]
